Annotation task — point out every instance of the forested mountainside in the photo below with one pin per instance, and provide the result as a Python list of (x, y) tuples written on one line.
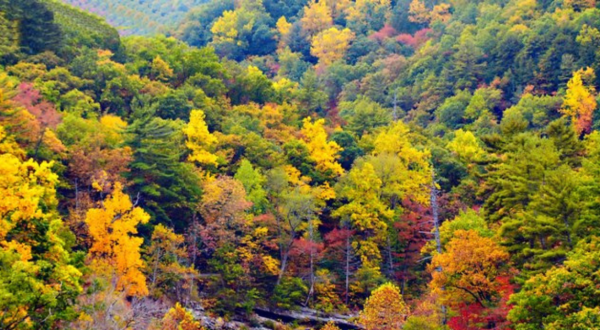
[(145, 17), (395, 164)]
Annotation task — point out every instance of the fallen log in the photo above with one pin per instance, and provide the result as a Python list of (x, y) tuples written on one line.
[(308, 315)]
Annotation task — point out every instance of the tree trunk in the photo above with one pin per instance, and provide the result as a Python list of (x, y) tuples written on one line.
[(436, 222)]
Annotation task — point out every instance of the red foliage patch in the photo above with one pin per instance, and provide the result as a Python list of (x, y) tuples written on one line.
[(387, 31)]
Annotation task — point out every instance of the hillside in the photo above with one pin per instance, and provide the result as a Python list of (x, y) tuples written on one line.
[(409, 164), (141, 17)]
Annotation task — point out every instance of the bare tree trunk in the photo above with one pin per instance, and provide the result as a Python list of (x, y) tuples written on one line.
[(194, 249), (155, 269), (347, 268), (436, 222), (284, 258), (312, 271), (391, 269)]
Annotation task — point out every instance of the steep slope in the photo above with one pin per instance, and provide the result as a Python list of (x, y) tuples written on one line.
[(139, 16)]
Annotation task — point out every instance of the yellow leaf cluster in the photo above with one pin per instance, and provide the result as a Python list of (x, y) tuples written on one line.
[(115, 248), (24, 187), (160, 70), (199, 139), (330, 326), (469, 268), (396, 140), (384, 309), (224, 29), (358, 10), (324, 153), (331, 45), (317, 17), (465, 145), (270, 264), (418, 13), (179, 318), (283, 26), (27, 204), (580, 101), (8, 145)]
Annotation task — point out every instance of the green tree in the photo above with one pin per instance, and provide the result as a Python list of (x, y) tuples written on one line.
[(167, 187), (253, 183), (364, 115), (564, 297)]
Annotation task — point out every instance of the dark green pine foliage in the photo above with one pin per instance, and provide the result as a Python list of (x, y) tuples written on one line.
[(534, 197), (38, 30), (167, 187)]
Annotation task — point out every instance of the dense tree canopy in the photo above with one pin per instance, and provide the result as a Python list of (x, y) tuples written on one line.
[(421, 164)]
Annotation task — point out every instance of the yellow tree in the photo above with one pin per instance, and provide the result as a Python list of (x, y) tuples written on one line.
[(324, 153), (225, 28), (161, 70), (440, 12), (115, 250), (331, 45), (164, 261), (468, 269), (580, 101), (369, 215), (179, 318), (317, 17), (384, 310), (418, 13), (283, 28), (199, 139), (466, 146), (37, 279), (414, 169), (365, 15), (330, 326)]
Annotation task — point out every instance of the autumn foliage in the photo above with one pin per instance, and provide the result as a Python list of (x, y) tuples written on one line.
[(384, 309), (115, 251)]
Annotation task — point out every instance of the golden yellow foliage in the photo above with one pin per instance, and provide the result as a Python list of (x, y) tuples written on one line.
[(164, 259), (112, 128), (331, 45), (271, 265), (8, 145), (330, 326), (199, 139), (418, 13), (580, 101), (384, 309), (396, 140), (160, 70), (469, 268), (465, 145), (317, 17), (115, 249), (179, 318), (31, 238), (283, 28), (324, 153), (441, 13), (224, 29), (362, 10), (25, 187)]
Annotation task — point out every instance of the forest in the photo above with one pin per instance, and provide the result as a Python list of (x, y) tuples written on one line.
[(299, 164)]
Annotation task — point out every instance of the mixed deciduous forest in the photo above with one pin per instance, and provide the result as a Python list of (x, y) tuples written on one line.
[(322, 164)]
